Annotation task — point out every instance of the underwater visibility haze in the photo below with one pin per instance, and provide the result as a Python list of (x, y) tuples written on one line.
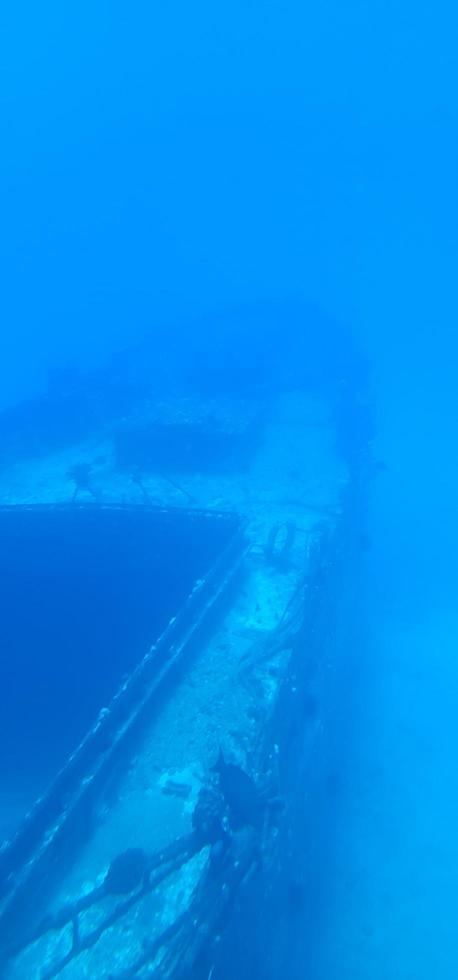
[(228, 386)]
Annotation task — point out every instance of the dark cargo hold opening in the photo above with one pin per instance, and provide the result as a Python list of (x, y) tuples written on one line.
[(84, 592)]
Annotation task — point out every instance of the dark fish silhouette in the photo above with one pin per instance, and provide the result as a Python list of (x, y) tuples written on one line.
[(240, 793)]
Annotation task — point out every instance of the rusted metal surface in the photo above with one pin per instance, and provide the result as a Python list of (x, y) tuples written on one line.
[(49, 836)]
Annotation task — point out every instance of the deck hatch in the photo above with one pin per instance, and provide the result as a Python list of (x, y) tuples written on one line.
[(85, 591)]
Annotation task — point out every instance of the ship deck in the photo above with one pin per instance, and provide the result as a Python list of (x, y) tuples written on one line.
[(285, 497)]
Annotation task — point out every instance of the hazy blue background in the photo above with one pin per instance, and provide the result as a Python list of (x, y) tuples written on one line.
[(160, 161)]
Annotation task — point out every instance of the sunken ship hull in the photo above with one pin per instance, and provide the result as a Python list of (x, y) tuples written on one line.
[(182, 565)]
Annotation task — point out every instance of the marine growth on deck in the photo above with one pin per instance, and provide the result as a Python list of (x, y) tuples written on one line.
[(157, 574)]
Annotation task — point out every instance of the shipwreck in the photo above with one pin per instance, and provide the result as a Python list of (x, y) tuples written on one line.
[(179, 566)]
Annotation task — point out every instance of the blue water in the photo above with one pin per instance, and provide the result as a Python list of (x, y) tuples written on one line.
[(159, 164)]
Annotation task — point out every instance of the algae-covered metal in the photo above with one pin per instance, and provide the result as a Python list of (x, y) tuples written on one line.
[(179, 813)]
